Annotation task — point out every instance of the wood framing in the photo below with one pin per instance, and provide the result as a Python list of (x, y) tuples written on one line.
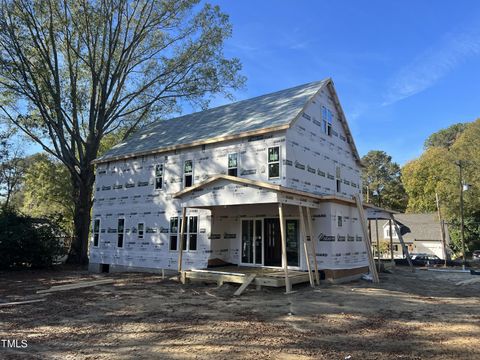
[(283, 235), (366, 238), (314, 248), (404, 246), (305, 245), (248, 280), (180, 241)]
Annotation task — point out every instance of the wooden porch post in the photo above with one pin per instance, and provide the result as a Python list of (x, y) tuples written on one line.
[(378, 244), (314, 247), (305, 246), (288, 286), (391, 239), (180, 242)]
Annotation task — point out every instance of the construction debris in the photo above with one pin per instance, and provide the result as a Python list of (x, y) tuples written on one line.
[(74, 286), (468, 282), (22, 302)]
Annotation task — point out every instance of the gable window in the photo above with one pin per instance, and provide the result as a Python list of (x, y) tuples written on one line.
[(188, 173), (96, 232), (158, 176), (339, 180), (327, 120), (120, 232), (233, 164), (190, 236), (140, 231), (274, 162)]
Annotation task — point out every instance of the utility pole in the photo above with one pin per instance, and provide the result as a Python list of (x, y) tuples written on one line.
[(442, 229), (462, 225)]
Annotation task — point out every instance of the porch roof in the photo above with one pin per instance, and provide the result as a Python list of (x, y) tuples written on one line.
[(246, 191)]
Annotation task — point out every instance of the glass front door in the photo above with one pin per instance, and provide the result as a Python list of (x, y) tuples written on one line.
[(293, 243), (252, 242)]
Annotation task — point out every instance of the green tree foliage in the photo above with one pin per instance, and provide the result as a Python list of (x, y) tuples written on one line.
[(436, 171), (445, 137), (47, 191), (75, 71), (382, 178), (27, 242)]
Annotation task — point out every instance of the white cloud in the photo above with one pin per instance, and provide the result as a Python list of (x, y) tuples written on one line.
[(433, 64)]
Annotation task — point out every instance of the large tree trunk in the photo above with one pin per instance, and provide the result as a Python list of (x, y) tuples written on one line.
[(83, 201)]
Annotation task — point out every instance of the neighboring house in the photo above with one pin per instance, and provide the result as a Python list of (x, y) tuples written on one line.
[(231, 167), (420, 232)]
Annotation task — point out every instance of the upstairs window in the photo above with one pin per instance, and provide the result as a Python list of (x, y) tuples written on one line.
[(188, 173), (274, 162), (120, 232), (96, 232), (327, 120), (158, 176), (233, 164), (140, 231)]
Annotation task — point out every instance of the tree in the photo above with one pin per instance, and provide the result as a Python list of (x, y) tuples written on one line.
[(382, 179), (47, 191), (435, 171), (445, 137), (78, 70), (12, 168)]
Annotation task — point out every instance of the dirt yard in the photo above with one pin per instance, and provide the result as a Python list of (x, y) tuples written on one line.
[(408, 316)]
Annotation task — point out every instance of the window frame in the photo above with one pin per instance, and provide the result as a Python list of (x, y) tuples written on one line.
[(187, 236), (122, 234), (185, 174), (161, 177), (96, 232), (232, 168), (269, 162), (138, 231)]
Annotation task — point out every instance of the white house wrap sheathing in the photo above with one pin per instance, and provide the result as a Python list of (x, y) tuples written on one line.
[(310, 161)]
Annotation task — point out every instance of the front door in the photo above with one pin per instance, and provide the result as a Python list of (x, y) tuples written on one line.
[(272, 243), (293, 243)]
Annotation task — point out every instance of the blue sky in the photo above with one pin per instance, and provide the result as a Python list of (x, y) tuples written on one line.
[(402, 69)]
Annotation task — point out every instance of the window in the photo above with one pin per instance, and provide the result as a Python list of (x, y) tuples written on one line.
[(339, 220), (233, 164), (188, 173), (274, 162), (96, 232), (140, 231), (120, 232), (173, 233), (159, 176), (339, 180), (190, 236), (327, 120)]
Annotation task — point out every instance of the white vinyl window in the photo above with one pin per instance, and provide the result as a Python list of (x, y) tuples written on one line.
[(327, 120), (233, 164), (120, 232), (158, 176), (140, 231), (190, 236), (338, 180), (274, 162), (188, 173), (96, 232)]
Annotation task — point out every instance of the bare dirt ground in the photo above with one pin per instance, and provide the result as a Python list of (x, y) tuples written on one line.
[(421, 315)]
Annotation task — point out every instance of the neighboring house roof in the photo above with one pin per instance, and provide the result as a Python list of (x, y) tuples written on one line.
[(414, 227), (261, 114)]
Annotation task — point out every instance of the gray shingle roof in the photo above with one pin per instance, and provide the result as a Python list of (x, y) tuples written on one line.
[(417, 227), (266, 111)]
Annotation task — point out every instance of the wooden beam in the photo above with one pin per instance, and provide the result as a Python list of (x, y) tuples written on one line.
[(180, 242), (366, 239), (242, 287), (314, 247), (288, 286), (79, 285), (22, 302), (391, 239), (404, 247), (305, 246), (378, 244)]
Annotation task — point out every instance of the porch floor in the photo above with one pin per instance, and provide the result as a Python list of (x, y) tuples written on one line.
[(237, 274)]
